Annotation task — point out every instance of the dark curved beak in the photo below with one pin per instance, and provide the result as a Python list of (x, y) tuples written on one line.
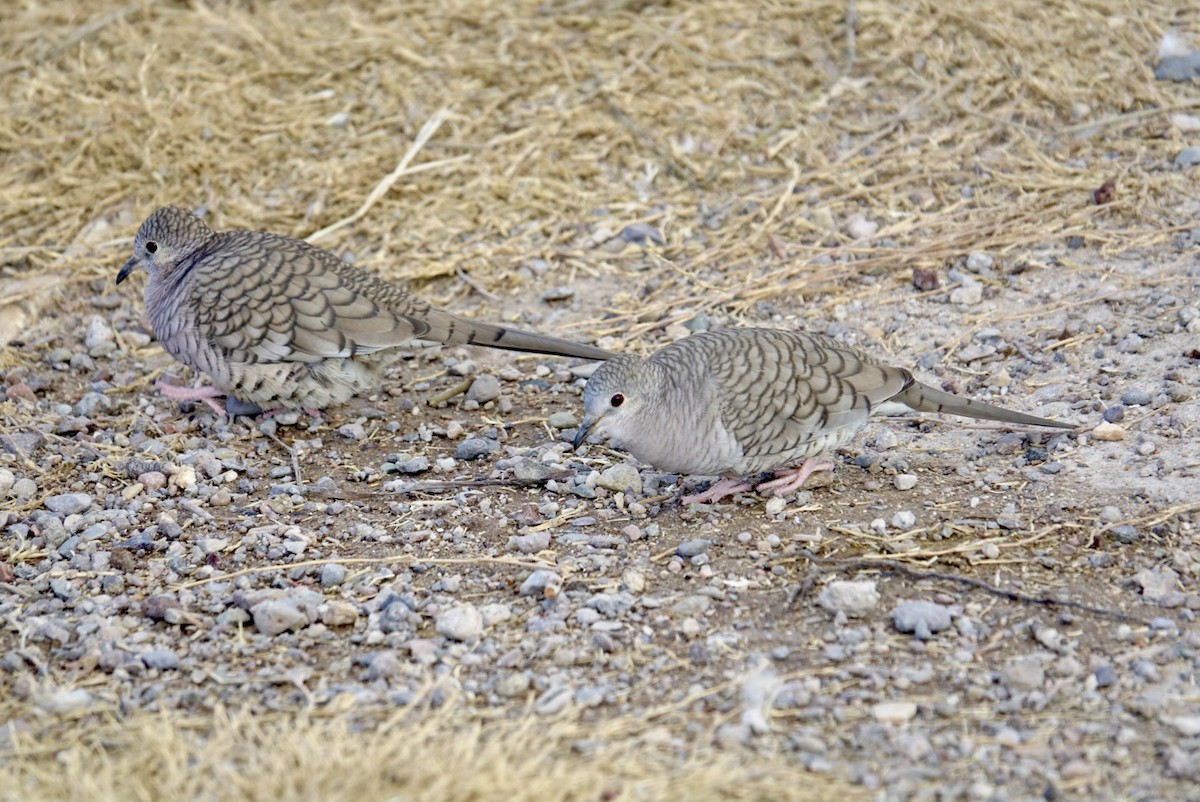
[(129, 267), (585, 428)]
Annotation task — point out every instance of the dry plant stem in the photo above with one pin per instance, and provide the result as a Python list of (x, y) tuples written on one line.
[(861, 564)]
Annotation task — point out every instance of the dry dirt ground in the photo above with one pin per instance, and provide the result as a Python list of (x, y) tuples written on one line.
[(201, 608)]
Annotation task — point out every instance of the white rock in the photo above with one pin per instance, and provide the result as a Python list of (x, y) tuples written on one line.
[(1108, 431), (852, 598), (336, 613), (905, 481), (1025, 673), (775, 505), (495, 613), (894, 712), (967, 296), (99, 339), (622, 477), (861, 228), (277, 616), (184, 478), (462, 623), (62, 701)]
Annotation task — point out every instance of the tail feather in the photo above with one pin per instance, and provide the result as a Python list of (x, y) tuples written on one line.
[(471, 332), (923, 398)]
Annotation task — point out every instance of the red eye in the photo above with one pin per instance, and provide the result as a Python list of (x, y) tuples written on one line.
[(617, 400)]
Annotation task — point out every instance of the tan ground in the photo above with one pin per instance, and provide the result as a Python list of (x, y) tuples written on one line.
[(488, 151)]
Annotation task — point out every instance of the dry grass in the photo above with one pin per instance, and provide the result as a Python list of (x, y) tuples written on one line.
[(425, 758), (736, 127)]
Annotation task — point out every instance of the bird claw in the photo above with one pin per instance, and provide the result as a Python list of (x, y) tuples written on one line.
[(207, 393), (791, 479), (719, 490)]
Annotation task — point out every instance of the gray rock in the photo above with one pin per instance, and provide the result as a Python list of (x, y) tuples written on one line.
[(1181, 67), (332, 575), (277, 616), (383, 665), (1188, 157), (1025, 673), (1135, 398), (476, 447), (68, 503), (352, 431), (690, 548), (563, 420), (161, 659), (24, 488), (921, 618), (541, 583), (485, 388), (414, 465), (23, 444), (692, 606)]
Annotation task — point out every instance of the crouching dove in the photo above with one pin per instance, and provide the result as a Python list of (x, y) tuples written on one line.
[(738, 402), (276, 322)]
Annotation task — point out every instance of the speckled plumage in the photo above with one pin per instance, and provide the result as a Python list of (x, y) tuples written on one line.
[(741, 401), (277, 322)]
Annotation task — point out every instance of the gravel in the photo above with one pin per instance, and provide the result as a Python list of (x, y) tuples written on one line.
[(183, 560)]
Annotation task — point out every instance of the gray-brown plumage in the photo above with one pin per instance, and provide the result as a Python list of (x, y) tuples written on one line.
[(738, 402), (276, 322)]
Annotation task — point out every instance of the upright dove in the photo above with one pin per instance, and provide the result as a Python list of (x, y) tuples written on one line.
[(739, 402), (278, 323)]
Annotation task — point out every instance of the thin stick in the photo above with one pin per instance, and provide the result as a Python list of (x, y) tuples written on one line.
[(381, 189)]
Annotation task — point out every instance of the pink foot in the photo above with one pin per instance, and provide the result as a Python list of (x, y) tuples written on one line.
[(723, 488), (786, 481), (206, 394)]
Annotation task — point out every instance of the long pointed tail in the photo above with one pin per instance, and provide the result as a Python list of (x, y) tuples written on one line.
[(471, 332), (924, 398)]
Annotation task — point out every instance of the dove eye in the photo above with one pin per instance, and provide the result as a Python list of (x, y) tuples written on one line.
[(151, 247), (617, 400)]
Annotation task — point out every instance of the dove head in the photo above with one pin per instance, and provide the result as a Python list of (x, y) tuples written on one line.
[(620, 391), (165, 239)]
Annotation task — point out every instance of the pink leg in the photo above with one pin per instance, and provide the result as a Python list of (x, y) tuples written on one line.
[(206, 394), (789, 480), (723, 488)]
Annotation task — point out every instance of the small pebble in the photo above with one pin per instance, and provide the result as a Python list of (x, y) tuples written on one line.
[(461, 623), (277, 616), (332, 575), (485, 388), (855, 598), (894, 712), (904, 520), (1108, 431), (1135, 398), (563, 420), (622, 477), (690, 548), (921, 618), (161, 659), (68, 503), (476, 447), (905, 481)]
